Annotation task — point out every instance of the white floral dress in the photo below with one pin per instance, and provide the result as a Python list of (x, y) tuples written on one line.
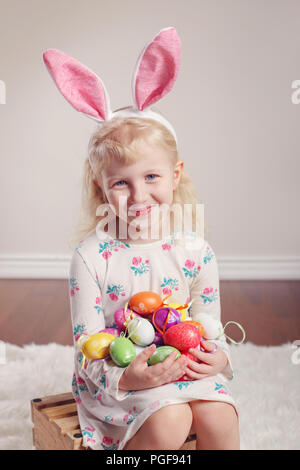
[(104, 274)]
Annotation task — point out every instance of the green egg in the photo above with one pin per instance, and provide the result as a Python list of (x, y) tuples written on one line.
[(161, 354), (122, 351)]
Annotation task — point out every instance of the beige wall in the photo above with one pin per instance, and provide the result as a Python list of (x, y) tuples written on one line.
[(237, 127)]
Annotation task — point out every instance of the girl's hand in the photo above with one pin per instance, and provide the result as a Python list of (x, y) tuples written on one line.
[(211, 363), (138, 375)]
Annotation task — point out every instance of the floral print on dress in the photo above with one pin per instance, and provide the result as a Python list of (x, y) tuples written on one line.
[(98, 306), (88, 434), (108, 419), (130, 416), (115, 292), (73, 286), (81, 385), (79, 330), (183, 384), (103, 380), (166, 246), (108, 443), (154, 405), (98, 395), (220, 388), (190, 270), (139, 266), (75, 390), (209, 295), (208, 256), (106, 249), (169, 285)]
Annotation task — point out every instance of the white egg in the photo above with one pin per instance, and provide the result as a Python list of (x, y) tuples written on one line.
[(141, 331), (212, 327)]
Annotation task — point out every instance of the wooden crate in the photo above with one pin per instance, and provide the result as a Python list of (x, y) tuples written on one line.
[(56, 425)]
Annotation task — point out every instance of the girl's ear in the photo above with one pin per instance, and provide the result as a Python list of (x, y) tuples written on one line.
[(156, 69), (177, 173), (83, 89)]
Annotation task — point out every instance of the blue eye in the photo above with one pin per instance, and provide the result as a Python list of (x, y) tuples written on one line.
[(122, 181), (152, 175)]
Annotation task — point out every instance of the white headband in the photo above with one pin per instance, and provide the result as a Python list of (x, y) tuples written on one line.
[(154, 75)]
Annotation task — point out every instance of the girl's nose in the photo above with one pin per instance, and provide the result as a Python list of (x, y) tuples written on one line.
[(138, 194)]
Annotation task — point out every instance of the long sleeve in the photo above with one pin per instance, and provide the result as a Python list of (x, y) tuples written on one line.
[(206, 296), (88, 317)]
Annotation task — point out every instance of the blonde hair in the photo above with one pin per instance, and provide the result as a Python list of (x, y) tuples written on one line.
[(118, 139)]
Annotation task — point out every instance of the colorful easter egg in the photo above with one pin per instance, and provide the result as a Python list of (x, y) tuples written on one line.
[(111, 331), (182, 336), (96, 346), (165, 317), (212, 327), (120, 317), (190, 356), (141, 331), (197, 324), (161, 354), (122, 351), (182, 312), (145, 303), (158, 339)]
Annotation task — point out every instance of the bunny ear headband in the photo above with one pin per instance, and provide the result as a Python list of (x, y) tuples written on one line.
[(153, 77)]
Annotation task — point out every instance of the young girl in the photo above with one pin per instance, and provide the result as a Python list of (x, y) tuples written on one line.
[(134, 169)]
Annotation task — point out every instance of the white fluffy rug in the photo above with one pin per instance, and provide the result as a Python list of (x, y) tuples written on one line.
[(266, 388)]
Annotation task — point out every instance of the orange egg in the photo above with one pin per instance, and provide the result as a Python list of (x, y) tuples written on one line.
[(145, 303), (197, 324)]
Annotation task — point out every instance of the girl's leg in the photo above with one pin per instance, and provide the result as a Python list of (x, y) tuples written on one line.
[(166, 429), (216, 425)]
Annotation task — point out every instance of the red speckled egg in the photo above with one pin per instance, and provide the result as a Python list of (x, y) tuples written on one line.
[(193, 358), (182, 336), (145, 302), (197, 324)]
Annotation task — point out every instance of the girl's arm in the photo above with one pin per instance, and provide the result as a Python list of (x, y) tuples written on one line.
[(206, 294), (88, 317)]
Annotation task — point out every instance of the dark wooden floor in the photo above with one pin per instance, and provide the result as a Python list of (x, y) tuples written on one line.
[(38, 310)]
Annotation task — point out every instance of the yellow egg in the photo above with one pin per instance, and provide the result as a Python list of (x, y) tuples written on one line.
[(97, 346), (182, 312)]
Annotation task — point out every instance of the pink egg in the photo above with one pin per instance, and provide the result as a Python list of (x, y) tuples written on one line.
[(182, 336), (159, 318), (111, 331), (120, 318)]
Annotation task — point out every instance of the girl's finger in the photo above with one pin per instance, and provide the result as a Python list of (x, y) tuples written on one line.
[(161, 367), (193, 376), (209, 346), (145, 354), (198, 368), (203, 356)]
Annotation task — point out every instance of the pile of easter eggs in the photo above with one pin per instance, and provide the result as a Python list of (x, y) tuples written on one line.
[(144, 320)]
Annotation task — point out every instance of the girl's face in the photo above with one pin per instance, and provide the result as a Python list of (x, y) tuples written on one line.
[(136, 190)]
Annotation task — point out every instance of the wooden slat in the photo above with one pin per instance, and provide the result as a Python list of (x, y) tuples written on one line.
[(60, 411), (53, 400), (68, 424)]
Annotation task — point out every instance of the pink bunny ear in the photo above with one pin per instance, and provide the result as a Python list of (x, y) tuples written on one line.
[(156, 69), (79, 85)]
